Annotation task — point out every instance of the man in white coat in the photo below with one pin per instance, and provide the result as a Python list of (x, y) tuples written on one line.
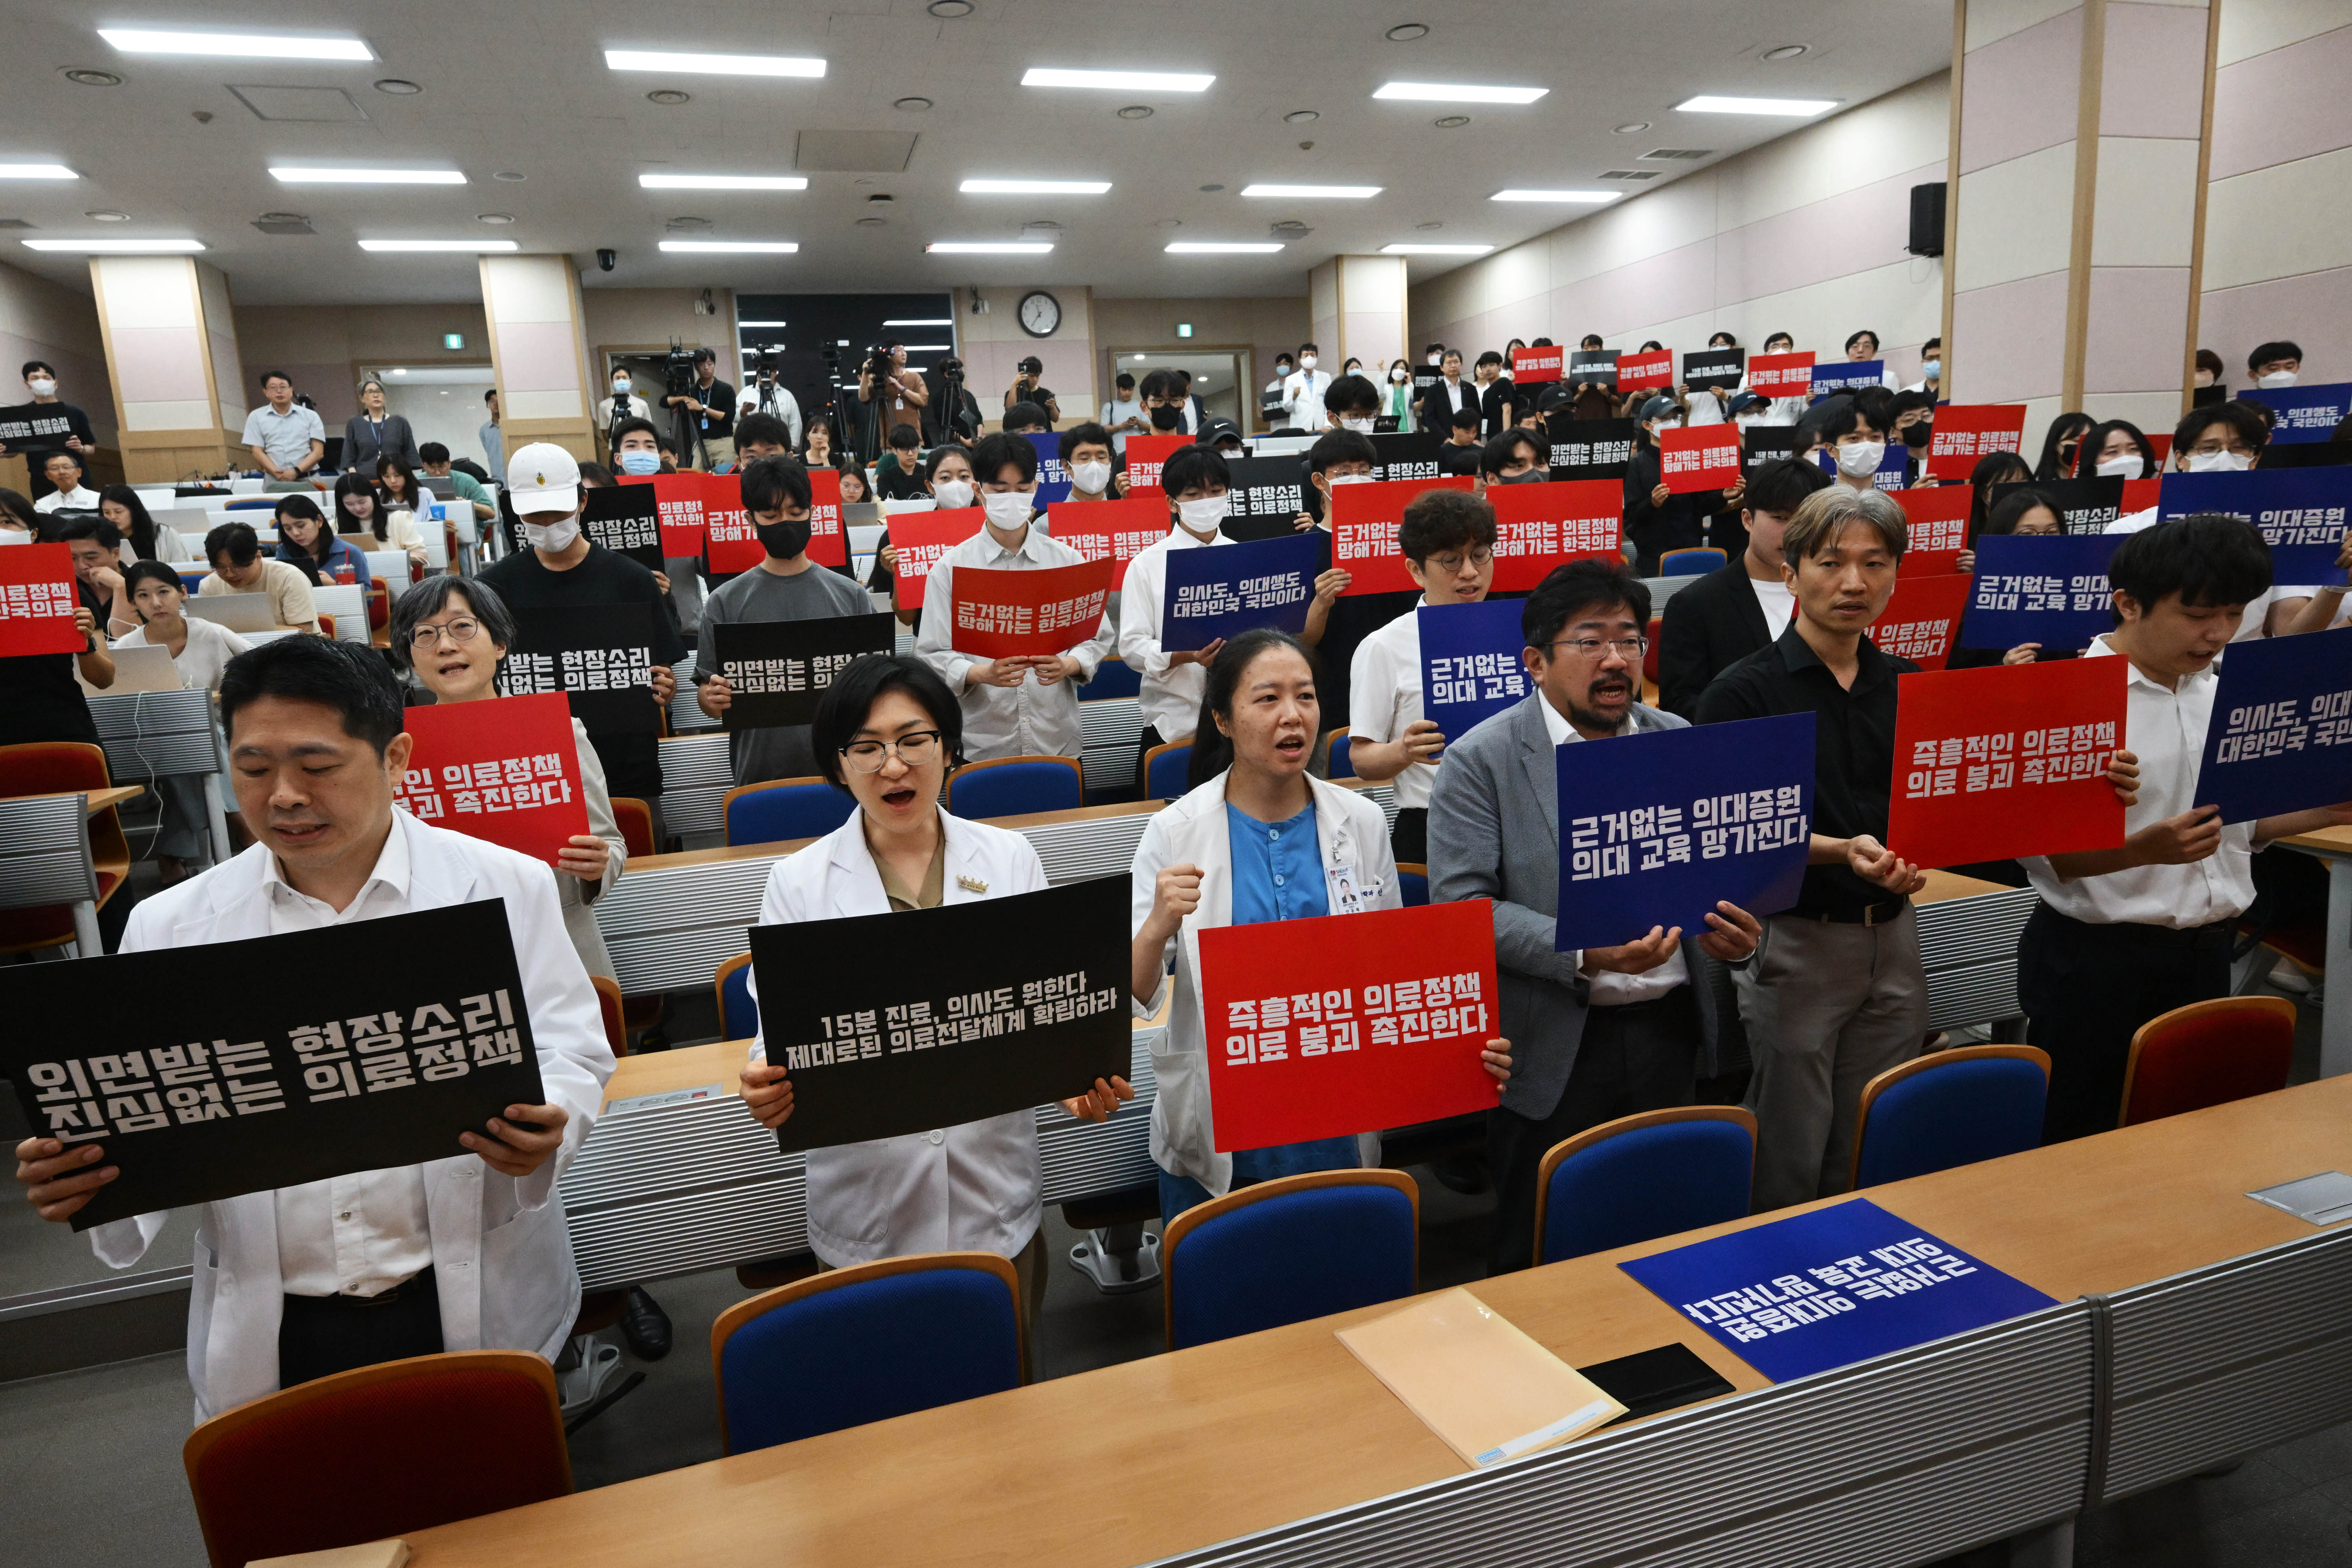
[(469, 1252)]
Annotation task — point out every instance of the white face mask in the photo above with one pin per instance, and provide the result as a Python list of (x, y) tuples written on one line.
[(1306, 361), (1347, 478), (1437, 358), (1203, 515), (2219, 462), (1667, 424), (1399, 375), (1092, 477), (552, 538), (2275, 378), (2128, 467), (44, 387), (1008, 509), (952, 494), (1856, 459), (2204, 379), (1361, 426), (622, 385)]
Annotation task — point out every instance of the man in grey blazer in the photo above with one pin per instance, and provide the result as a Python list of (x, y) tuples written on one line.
[(1607, 1032)]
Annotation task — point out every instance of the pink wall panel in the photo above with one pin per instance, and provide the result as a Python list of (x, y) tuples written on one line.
[(2133, 340), (1833, 237), (160, 364), (2313, 308), (81, 381), (2014, 336), (1373, 336), (2152, 80), (539, 356), (1679, 282), (2019, 94), (2289, 103)]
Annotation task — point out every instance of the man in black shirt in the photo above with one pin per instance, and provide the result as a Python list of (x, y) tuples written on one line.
[(1026, 388), (1742, 606), (898, 476), (712, 403), (1462, 449), (31, 430)]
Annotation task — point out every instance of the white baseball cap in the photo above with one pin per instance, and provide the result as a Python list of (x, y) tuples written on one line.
[(543, 477)]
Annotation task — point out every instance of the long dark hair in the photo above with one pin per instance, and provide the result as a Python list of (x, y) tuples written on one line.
[(354, 483), (411, 491), (309, 560), (1213, 750), (2053, 464), (141, 532), (1993, 469)]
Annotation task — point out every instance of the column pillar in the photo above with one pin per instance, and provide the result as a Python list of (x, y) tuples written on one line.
[(1357, 307), (171, 355), (539, 352)]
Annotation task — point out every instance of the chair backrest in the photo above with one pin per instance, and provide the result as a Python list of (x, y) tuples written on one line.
[(864, 1344), (1655, 628), (2208, 1053), (1112, 679), (608, 1000), (1950, 1108), (637, 823), (44, 853), (1639, 1177), (1412, 881), (738, 1011), (1690, 562), (1015, 785), (389, 567), (440, 1438), (1165, 768), (785, 809), (1338, 748), (1284, 1251), (348, 604)]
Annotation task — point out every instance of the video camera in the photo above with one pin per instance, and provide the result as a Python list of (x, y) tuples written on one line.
[(678, 370)]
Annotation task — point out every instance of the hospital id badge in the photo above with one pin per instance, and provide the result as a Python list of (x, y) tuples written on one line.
[(1345, 897)]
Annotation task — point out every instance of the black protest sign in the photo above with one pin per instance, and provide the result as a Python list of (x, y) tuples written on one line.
[(1761, 443), (889, 1024), (1589, 449), (2306, 455), (1714, 368), (599, 655), (1268, 495), (1593, 367), (36, 428), (1413, 457), (777, 670), (2084, 506), (323, 1067), (622, 518)]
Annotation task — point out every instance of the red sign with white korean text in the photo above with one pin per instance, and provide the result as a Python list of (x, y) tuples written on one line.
[(1364, 519), (2006, 761), (506, 769), (1780, 375), (1703, 458), (1529, 366), (678, 505), (921, 538), (1921, 618), (1322, 1027), (1538, 527), (729, 539), (1645, 372), (1002, 614), (37, 601), (1966, 432), (828, 541), (1112, 530), (1937, 520), (1146, 454)]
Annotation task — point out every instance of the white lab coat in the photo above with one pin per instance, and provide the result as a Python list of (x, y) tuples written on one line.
[(501, 1252), (1351, 832), (975, 1188)]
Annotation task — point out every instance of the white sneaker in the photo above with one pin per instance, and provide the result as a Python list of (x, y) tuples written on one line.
[(2288, 976)]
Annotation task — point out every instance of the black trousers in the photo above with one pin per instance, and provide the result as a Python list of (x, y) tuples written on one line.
[(1409, 838), (320, 1335), (2087, 989), (1643, 1057)]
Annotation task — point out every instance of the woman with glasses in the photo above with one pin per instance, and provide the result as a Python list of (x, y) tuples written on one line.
[(372, 434), (886, 734), (454, 633)]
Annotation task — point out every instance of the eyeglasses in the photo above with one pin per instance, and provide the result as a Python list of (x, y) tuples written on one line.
[(1450, 564), (913, 749), (1629, 649), (460, 631)]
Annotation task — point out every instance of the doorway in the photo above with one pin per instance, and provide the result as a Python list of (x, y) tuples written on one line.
[(1218, 375), (441, 403)]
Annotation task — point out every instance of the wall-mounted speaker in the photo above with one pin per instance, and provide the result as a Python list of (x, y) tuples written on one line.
[(1927, 220)]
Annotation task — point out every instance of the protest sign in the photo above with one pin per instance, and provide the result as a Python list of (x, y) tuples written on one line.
[(1053, 478), (921, 538), (624, 519), (1655, 826), (1762, 443), (677, 501), (1538, 526), (730, 541), (1413, 456), (1653, 372), (506, 771), (1921, 618), (1827, 1289), (890, 1024), (34, 430), (829, 537), (1780, 375), (1221, 592), (1145, 455), (1701, 457), (601, 656), (2084, 506), (1722, 368), (776, 671), (2300, 513), (2141, 494), (1364, 520), (37, 601), (1588, 448), (1112, 530), (1268, 496), (1321, 1028), (352, 1067), (2040, 589), (1966, 432), (2304, 415), (1846, 375), (2280, 738), (1002, 614), (1935, 520), (1530, 366), (1470, 667), (1593, 367), (1972, 783)]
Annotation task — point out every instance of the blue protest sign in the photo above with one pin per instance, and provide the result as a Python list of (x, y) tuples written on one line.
[(1831, 1288), (1470, 667), (1846, 375), (1215, 593), (2050, 588), (1053, 479), (1641, 844), (2300, 511), (1894, 471), (2305, 414), (2281, 736)]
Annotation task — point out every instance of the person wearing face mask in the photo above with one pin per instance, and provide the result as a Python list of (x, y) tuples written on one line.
[(1854, 442), (1303, 390), (2209, 373), (1087, 459), (43, 425), (1915, 415), (1656, 519), (2275, 365), (1337, 627), (2059, 444), (1196, 482), (1270, 408), (1514, 457), (1351, 402), (1931, 370), (1166, 405), (2118, 450), (638, 451), (948, 486), (1396, 398), (1449, 392), (613, 412), (1742, 605)]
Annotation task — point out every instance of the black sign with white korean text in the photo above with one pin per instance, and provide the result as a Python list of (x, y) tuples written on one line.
[(323, 1067), (624, 519), (777, 670), (1268, 495), (1589, 449), (1714, 367), (2084, 506), (1413, 456), (889, 1024), (1762, 443), (599, 655), (1593, 367), (28, 428)]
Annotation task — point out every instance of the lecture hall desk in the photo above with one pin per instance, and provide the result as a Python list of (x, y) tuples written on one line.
[(1173, 1453)]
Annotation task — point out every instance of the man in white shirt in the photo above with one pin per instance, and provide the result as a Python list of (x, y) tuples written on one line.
[(2123, 934), (63, 469), (311, 1279), (287, 440), (624, 404), (1197, 484), (1020, 705), (1302, 392)]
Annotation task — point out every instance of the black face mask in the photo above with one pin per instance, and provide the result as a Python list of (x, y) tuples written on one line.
[(1917, 435), (785, 539), (1532, 476), (1167, 417)]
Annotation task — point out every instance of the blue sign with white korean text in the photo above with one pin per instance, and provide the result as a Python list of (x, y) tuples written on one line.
[(2050, 588), (1226, 589), (2300, 511), (1655, 826), (1053, 479), (1831, 1288), (1470, 668), (1894, 471), (2281, 736), (2305, 414), (1846, 375)]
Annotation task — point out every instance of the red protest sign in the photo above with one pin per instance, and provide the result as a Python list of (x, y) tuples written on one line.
[(828, 541), (2139, 495), (921, 538), (1938, 522), (1317, 1029), (1704, 458), (1364, 519), (1645, 372), (1529, 366), (2011, 760), (1003, 614), (506, 769), (678, 505), (1112, 530), (1966, 432), (1145, 453), (1780, 375), (1920, 619), (37, 599), (1537, 526), (730, 541)]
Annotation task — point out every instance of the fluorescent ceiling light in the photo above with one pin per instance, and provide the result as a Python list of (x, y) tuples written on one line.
[(759, 323), (722, 181), (1033, 187), (1218, 247), (1451, 92), (1356, 193), (133, 246), (925, 321), (36, 171), (988, 247), (237, 45), (1555, 195), (711, 246), (1798, 107), (465, 244), (1146, 81), (713, 65), (367, 176), (928, 348), (1435, 250)]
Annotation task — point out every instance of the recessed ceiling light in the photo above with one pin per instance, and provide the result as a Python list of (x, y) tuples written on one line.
[(132, 246), (236, 45), (1302, 117), (870, 221), (465, 244), (1785, 52), (510, 174), (988, 247), (722, 181), (1429, 225), (1142, 81), (1406, 32), (948, 10), (1450, 122), (1212, 188), (921, 321), (1435, 250), (668, 97), (1033, 187), (93, 78), (286, 176), (109, 215), (763, 323), (1354, 193), (1796, 107), (494, 217), (912, 105), (1630, 127), (1523, 195), (1216, 248), (714, 65), (1136, 111), (36, 171), (1459, 92), (761, 246), (398, 87)]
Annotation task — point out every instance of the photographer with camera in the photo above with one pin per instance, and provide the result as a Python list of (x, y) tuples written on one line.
[(891, 396), (711, 403), (768, 394), (953, 416), (613, 412), (1025, 388)]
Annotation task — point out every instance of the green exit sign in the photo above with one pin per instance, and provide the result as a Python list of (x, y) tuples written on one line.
[(1183, 329), (453, 339)]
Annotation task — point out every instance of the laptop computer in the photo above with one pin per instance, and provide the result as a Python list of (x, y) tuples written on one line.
[(236, 612), (440, 484), (139, 669), (332, 461)]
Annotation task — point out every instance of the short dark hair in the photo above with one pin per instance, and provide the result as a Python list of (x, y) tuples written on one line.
[(2096, 439), (1349, 394), (1336, 446), (2208, 558), (432, 452), (1497, 452), (904, 438), (236, 540), (1905, 402), (936, 456), (2006, 513), (763, 428), (1465, 418), (85, 527), (431, 595), (490, 393), (1931, 343), (1190, 466), (841, 712), (633, 424), (990, 453), (1575, 586), (1158, 385), (344, 676), (1020, 417), (1126, 379), (775, 484), (1308, 349), (70, 456), (1772, 338), (1212, 749), (593, 474), (1089, 433), (270, 376), (140, 571), (2210, 363), (2233, 414), (1858, 337), (1438, 520), (1591, 342), (32, 365), (1834, 417), (1782, 486), (1491, 357), (706, 356), (2264, 353)]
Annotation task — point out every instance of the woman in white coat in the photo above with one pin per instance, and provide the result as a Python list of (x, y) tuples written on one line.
[(1259, 838), (884, 732)]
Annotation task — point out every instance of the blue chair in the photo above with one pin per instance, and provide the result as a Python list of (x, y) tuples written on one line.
[(738, 1011), (1413, 882), (1695, 561), (1113, 678), (785, 809), (259, 503), (1164, 769), (1286, 1250), (1015, 786), (1950, 1108), (864, 1344), (1642, 1177), (192, 581), (1338, 749)]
